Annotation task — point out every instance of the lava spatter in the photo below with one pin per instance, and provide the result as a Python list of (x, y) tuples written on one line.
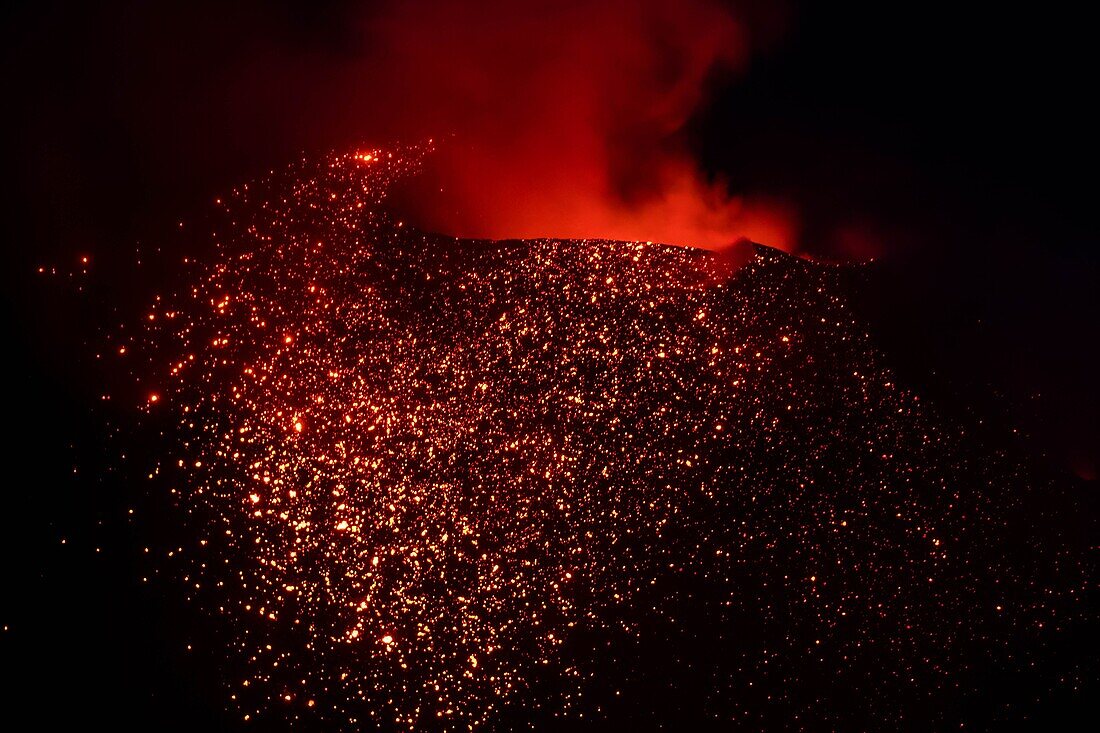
[(449, 483)]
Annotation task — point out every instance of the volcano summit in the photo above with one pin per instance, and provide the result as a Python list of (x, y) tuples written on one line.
[(440, 483)]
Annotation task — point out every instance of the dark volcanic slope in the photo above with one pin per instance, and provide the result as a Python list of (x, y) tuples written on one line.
[(444, 483)]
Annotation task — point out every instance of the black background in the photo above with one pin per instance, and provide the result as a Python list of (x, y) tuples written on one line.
[(962, 136)]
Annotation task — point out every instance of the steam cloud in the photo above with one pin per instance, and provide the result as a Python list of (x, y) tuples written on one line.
[(568, 118)]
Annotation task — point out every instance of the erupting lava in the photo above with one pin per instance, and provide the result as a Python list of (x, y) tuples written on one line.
[(443, 483)]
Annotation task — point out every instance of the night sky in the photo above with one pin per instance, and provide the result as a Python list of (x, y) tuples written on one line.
[(955, 146)]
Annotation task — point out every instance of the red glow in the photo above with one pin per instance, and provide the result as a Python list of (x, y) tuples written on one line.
[(569, 119)]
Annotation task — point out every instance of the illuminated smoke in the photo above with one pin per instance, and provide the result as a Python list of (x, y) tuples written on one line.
[(560, 119), (569, 118)]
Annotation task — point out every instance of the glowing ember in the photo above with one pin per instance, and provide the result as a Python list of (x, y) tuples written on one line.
[(436, 478)]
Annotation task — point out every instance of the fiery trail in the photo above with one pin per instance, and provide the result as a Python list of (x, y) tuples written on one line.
[(442, 477)]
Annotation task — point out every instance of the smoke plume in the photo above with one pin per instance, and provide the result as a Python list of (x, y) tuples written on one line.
[(563, 119)]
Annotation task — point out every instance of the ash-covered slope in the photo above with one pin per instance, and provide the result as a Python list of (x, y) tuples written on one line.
[(448, 483)]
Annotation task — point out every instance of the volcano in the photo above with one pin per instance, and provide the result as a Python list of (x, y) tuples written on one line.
[(441, 483)]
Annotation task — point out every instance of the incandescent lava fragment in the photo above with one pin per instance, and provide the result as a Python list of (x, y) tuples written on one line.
[(448, 483)]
